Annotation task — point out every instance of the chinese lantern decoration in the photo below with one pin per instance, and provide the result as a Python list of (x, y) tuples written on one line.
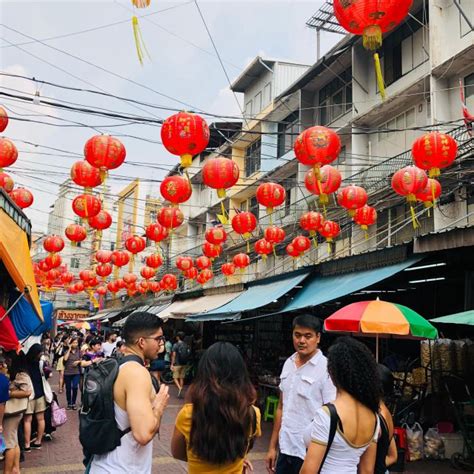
[(130, 278), (241, 260), (184, 263), (311, 222), (120, 258), (434, 151), (8, 153), (270, 195), (365, 216), (86, 275), (204, 276), (191, 273), (221, 174), (53, 244), (371, 18), (79, 286), (113, 287), (263, 247), (67, 278), (144, 285), (176, 189), (352, 197), (121, 283), (101, 290), (292, 251), (186, 135), (75, 233), (274, 234), (6, 182), (86, 205), (430, 193), (103, 256), (244, 223), (301, 243), (22, 197), (154, 260), (156, 232), (216, 235), (52, 275), (101, 221), (105, 153), (103, 270), (169, 282), (330, 230), (210, 250), (43, 265), (154, 286), (329, 181), (228, 269), (170, 217), (203, 262), (408, 182), (3, 119), (135, 244), (53, 260), (132, 292), (147, 272), (85, 175), (317, 146)]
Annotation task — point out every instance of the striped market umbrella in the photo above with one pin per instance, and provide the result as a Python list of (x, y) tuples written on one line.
[(380, 318)]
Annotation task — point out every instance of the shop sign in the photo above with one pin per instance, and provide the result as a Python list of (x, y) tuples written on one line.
[(71, 314)]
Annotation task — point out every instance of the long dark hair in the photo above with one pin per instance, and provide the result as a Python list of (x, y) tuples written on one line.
[(18, 364), (222, 396), (352, 368)]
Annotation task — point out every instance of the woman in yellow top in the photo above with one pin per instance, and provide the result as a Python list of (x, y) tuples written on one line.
[(214, 431)]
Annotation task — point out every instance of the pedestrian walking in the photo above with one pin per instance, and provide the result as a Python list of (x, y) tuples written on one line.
[(109, 345), (215, 431), (72, 372), (342, 438), (305, 386), (180, 358)]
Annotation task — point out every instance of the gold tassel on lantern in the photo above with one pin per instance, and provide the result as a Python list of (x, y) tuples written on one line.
[(139, 42), (372, 37), (378, 74)]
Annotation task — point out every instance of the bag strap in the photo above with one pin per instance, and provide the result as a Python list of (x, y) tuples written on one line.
[(332, 431)]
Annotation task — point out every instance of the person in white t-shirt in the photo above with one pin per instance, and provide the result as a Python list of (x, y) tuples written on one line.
[(305, 386), (109, 345)]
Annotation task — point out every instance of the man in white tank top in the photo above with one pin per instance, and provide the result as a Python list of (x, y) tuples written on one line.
[(137, 406)]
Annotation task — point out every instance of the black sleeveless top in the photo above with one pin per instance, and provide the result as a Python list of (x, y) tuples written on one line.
[(382, 447)]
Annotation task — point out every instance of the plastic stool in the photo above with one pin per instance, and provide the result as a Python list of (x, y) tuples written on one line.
[(271, 405)]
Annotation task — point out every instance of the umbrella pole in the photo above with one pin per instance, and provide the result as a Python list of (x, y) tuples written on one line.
[(377, 348)]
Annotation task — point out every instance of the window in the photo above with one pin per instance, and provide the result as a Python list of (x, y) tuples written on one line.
[(335, 98), (258, 103), (252, 158), (74, 262), (267, 94), (341, 159), (468, 9), (469, 86), (402, 137), (288, 132), (250, 205)]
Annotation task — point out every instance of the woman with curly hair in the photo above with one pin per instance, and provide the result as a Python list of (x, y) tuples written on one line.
[(353, 371), (215, 430)]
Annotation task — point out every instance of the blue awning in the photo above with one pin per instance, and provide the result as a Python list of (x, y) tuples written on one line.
[(320, 289), (25, 320), (257, 294)]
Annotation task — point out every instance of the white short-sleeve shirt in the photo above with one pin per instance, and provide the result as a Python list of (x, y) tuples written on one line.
[(304, 390)]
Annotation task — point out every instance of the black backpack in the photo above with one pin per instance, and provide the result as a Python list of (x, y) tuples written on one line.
[(184, 353)]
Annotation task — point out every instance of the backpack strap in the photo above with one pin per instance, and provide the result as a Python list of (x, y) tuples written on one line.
[(332, 431)]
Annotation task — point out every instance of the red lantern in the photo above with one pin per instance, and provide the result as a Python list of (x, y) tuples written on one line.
[(43, 265), (105, 153), (244, 223), (154, 286), (75, 233), (52, 275), (203, 262), (328, 183), (104, 270), (263, 247), (154, 260), (221, 174), (120, 258), (8, 153), (101, 290), (204, 276), (292, 251), (135, 244), (53, 244), (91, 283), (86, 205), (144, 285), (301, 243), (274, 234), (102, 221), (132, 292), (210, 250), (434, 151), (147, 272), (330, 230), (169, 282), (176, 189), (6, 182), (409, 181), (241, 260), (22, 197), (53, 260), (352, 197), (79, 286), (311, 222), (270, 195), (317, 146), (103, 256), (365, 216), (184, 263), (67, 278), (430, 193), (130, 278), (191, 273), (3, 119), (228, 269), (85, 275), (121, 283), (186, 135), (156, 232), (85, 175), (216, 235), (170, 217), (113, 287)]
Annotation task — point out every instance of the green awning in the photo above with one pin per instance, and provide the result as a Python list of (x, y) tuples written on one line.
[(466, 318)]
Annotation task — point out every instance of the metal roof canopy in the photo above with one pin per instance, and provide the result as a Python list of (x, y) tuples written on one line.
[(325, 20)]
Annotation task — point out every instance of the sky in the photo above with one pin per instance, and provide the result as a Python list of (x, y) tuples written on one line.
[(90, 45)]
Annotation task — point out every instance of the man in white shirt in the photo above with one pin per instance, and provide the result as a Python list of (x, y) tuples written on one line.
[(305, 386), (109, 346)]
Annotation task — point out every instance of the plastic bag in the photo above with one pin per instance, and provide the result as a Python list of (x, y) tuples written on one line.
[(415, 441), (59, 416), (434, 446)]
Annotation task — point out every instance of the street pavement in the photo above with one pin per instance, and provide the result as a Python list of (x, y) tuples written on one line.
[(64, 455)]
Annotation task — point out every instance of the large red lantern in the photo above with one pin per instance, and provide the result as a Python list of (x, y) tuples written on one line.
[(241, 260), (186, 135), (53, 244), (170, 217), (103, 256), (86, 205), (274, 234), (155, 260), (330, 230), (244, 223), (8, 153), (43, 265), (409, 181), (53, 260), (113, 287), (311, 222), (92, 282), (203, 262), (103, 270), (75, 233), (317, 146), (176, 189), (101, 290), (221, 174), (365, 216), (191, 273), (130, 278), (85, 175), (434, 151), (210, 250), (169, 282), (329, 181), (352, 197), (292, 251), (120, 258), (204, 276), (263, 247), (22, 197), (3, 119), (67, 278), (184, 263), (102, 221), (105, 153), (121, 283), (156, 232), (147, 272), (270, 195), (79, 286), (53, 274), (216, 235), (301, 243), (430, 193), (86, 275), (135, 244), (6, 182), (228, 269), (154, 286)]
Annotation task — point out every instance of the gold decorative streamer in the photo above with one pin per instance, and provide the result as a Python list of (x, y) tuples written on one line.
[(139, 42)]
